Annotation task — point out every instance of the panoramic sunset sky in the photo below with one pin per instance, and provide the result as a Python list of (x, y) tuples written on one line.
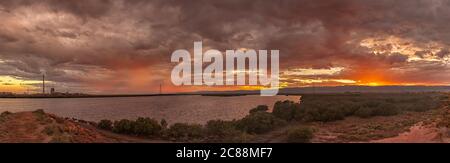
[(124, 46)]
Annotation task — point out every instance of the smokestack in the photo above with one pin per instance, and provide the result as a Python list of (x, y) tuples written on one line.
[(43, 84)]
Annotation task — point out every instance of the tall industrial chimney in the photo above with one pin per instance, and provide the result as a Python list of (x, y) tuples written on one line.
[(43, 84)]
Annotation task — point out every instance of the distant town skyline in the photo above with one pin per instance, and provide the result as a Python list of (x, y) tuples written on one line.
[(124, 46)]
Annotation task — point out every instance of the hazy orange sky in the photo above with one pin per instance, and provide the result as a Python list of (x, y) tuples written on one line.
[(124, 46)]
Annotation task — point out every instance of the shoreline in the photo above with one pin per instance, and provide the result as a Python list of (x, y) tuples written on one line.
[(143, 95), (19, 96), (392, 118)]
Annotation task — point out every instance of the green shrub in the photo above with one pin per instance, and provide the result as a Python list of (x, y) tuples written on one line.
[(39, 111), (146, 127), (285, 110), (365, 112), (300, 135), (4, 116), (331, 115), (316, 111), (348, 108), (221, 128), (105, 124), (164, 123), (182, 130), (53, 130), (5, 113), (331, 107), (371, 103), (259, 122), (123, 126), (142, 126), (381, 109), (260, 108), (386, 109), (42, 117), (421, 107)]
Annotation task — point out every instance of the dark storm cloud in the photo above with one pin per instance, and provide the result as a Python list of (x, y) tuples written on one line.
[(7, 39), (66, 38), (443, 53), (83, 8)]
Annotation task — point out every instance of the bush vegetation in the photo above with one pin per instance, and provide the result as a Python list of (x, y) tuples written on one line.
[(300, 135), (53, 130), (182, 131), (4, 116), (259, 122), (221, 128), (331, 107), (105, 124), (146, 126), (260, 108), (285, 110), (141, 126), (42, 117), (124, 126), (320, 107), (6, 113), (163, 124)]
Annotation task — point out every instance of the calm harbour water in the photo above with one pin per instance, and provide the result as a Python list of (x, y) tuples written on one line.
[(186, 109)]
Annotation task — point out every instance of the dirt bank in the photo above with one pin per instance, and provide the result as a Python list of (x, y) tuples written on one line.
[(40, 127)]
